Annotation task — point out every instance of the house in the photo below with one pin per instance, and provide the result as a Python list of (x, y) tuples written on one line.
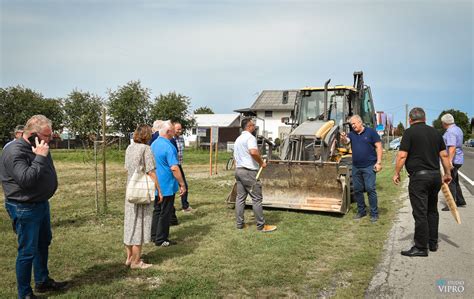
[(228, 130), (269, 108)]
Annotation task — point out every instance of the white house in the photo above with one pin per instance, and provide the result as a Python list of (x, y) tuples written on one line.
[(228, 125), (269, 108)]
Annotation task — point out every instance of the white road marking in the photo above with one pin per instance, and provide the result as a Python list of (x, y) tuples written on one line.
[(466, 178)]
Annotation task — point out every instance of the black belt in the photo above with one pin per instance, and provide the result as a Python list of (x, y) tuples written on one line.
[(425, 172), (247, 168)]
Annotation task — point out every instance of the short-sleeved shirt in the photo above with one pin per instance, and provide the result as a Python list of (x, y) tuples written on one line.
[(454, 137), (363, 147), (165, 156), (423, 145), (242, 146)]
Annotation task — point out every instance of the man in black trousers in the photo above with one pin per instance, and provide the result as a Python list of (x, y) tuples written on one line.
[(421, 149)]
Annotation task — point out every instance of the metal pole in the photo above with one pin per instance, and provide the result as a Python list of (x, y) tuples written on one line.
[(210, 154), (215, 162), (104, 175)]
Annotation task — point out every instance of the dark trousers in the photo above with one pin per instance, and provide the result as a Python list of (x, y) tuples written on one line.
[(160, 223), (423, 191), (454, 186), (184, 197), (33, 228), (363, 179)]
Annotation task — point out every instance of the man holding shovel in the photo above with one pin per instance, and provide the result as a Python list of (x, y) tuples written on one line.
[(248, 160), (421, 149)]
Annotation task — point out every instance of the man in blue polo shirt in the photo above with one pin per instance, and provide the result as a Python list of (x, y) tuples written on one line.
[(169, 176), (366, 162)]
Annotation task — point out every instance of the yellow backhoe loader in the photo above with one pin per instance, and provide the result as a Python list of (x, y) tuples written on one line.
[(313, 171)]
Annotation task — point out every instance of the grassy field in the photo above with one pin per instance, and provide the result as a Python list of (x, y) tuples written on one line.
[(310, 255)]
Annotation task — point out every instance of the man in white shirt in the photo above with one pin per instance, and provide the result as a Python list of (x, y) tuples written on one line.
[(247, 161)]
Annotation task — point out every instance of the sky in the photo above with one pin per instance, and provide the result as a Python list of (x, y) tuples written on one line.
[(222, 54)]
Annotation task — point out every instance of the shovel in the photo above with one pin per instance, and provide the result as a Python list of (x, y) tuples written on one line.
[(448, 198)]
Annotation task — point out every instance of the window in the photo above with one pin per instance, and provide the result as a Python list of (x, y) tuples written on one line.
[(194, 131), (268, 113)]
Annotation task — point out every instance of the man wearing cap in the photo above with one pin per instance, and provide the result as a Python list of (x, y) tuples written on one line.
[(453, 138), (17, 134)]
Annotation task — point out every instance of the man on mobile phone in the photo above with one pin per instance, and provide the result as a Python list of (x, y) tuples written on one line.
[(29, 179), (366, 162)]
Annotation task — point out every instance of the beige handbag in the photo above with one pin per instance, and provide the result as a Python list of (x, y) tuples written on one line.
[(140, 188)]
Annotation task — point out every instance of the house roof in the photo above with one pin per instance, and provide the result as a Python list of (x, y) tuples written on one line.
[(273, 100), (217, 120)]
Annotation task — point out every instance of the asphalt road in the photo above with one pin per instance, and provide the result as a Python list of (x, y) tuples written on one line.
[(446, 273), (467, 168)]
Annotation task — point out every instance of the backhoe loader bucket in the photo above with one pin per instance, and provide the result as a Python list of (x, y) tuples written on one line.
[(304, 185)]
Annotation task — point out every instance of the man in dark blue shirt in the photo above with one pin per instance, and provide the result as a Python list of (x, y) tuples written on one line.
[(366, 162)]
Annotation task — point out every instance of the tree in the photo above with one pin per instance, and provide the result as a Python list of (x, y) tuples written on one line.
[(18, 104), (203, 110), (82, 113), (129, 106), (400, 129), (173, 106), (460, 118)]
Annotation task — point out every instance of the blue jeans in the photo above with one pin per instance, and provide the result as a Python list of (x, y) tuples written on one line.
[(33, 229), (364, 180)]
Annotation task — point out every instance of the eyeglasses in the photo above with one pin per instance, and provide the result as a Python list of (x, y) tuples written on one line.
[(45, 136)]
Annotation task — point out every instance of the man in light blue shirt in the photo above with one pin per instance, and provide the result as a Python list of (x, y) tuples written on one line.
[(170, 179), (453, 138)]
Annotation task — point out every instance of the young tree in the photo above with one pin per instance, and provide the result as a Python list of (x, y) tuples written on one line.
[(129, 106), (173, 106), (460, 118), (18, 104), (82, 113), (203, 110)]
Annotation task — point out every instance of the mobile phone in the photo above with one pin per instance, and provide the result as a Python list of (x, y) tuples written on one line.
[(32, 140)]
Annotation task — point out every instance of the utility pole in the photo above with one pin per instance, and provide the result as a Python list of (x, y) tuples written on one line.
[(406, 116)]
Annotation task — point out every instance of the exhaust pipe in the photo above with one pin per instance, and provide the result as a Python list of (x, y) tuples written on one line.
[(326, 100)]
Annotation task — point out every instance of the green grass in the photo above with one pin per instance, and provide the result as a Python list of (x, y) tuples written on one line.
[(310, 255)]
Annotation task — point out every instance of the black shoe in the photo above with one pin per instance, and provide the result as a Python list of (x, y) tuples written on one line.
[(434, 247), (50, 286), (174, 223), (445, 209), (358, 216), (172, 242), (414, 251), (30, 296)]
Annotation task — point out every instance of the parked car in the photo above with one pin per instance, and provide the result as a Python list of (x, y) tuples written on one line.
[(469, 143), (395, 144)]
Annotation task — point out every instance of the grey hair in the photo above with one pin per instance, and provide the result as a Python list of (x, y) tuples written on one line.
[(36, 123), (417, 114), (447, 119), (165, 126), (357, 117), (156, 125)]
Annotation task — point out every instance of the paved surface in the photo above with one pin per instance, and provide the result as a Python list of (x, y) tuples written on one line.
[(468, 168), (439, 275)]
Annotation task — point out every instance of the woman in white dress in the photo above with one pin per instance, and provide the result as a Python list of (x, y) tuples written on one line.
[(137, 222)]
